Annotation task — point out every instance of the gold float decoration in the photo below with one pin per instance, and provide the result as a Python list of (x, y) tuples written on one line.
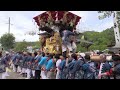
[(54, 45)]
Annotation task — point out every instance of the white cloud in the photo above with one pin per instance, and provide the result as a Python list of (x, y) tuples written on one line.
[(104, 26), (82, 14), (91, 22), (22, 23)]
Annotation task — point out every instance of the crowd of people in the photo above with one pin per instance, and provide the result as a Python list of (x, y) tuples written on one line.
[(40, 65)]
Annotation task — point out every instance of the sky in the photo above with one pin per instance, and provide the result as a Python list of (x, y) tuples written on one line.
[(22, 22)]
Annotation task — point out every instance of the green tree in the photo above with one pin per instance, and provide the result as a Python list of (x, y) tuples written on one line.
[(106, 14), (21, 46), (111, 40), (36, 45), (80, 48), (101, 40), (85, 45), (108, 34), (7, 41)]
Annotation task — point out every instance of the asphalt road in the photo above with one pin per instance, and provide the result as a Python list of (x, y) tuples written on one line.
[(12, 75)]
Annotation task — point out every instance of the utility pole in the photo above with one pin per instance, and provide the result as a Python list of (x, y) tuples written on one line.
[(116, 48), (9, 23), (116, 29)]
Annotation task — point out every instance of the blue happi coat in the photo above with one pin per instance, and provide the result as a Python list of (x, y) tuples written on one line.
[(89, 69)]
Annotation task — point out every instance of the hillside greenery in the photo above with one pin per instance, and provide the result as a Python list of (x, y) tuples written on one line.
[(101, 40)]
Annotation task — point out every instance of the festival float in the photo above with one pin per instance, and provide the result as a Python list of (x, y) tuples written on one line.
[(58, 31)]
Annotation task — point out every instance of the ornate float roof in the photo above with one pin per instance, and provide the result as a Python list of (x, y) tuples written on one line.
[(57, 15)]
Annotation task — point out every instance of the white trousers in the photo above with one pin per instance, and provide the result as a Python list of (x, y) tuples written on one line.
[(58, 74), (23, 70), (33, 73), (14, 68), (28, 71), (19, 69), (11, 66), (3, 75), (43, 75)]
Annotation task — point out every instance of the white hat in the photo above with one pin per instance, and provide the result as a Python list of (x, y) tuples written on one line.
[(108, 58), (7, 52), (82, 54)]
